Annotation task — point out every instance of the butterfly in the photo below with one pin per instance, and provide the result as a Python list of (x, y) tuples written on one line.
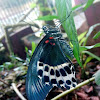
[(50, 65)]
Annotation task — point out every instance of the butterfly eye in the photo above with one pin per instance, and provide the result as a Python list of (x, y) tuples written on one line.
[(44, 28)]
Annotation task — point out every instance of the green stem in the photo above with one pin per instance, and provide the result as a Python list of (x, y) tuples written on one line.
[(72, 89)]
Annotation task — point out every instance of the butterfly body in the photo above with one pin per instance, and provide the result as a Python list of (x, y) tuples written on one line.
[(49, 65)]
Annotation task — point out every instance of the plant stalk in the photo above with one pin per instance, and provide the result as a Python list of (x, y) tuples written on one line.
[(72, 89), (17, 92)]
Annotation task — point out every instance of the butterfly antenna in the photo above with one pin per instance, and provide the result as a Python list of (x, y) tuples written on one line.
[(64, 19)]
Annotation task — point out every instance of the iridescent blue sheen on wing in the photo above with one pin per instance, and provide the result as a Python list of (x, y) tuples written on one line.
[(35, 88)]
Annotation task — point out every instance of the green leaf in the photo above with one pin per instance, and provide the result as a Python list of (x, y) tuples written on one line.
[(92, 55), (82, 41), (33, 47), (47, 17), (90, 31), (26, 49), (64, 8), (97, 35), (81, 36), (88, 4), (19, 59), (97, 77), (8, 65), (83, 48), (33, 5), (1, 67), (77, 6), (87, 60)]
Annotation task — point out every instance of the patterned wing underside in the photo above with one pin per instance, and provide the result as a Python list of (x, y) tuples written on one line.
[(62, 75)]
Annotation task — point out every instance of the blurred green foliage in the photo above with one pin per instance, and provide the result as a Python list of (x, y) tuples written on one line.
[(14, 62), (97, 35), (83, 37), (88, 4)]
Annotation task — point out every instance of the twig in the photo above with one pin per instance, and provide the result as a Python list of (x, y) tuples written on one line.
[(17, 92), (72, 89), (8, 41), (3, 81)]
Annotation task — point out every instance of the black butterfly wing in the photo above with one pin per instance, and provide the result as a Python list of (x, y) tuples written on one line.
[(35, 88), (53, 67), (49, 67)]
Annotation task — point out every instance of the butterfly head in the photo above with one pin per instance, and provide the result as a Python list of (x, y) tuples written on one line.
[(52, 31)]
